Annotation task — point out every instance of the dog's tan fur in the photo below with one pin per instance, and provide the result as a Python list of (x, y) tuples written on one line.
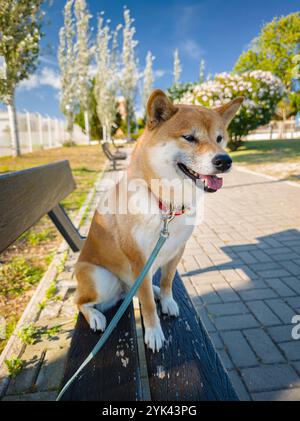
[(118, 245)]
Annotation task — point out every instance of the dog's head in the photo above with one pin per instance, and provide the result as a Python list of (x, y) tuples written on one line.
[(188, 141)]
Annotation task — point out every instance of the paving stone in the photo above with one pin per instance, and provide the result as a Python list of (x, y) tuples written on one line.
[(261, 256), (263, 313), (258, 294), (281, 309), (286, 256), (24, 381), (292, 267), (205, 319), (226, 361), (270, 377), (207, 293), (294, 302), (263, 346), (291, 349), (226, 293), (278, 395), (280, 287), (242, 321), (260, 267), (281, 333), (49, 376), (226, 309), (238, 349), (296, 365), (293, 283), (51, 310), (217, 341), (275, 273), (39, 396), (243, 285), (238, 385), (247, 257)]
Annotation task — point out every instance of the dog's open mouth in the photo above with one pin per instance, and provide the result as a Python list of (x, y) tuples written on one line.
[(211, 183)]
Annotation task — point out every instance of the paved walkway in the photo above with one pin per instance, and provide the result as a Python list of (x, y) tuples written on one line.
[(242, 268)]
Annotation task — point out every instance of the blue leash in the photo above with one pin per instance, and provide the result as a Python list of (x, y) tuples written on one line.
[(164, 233)]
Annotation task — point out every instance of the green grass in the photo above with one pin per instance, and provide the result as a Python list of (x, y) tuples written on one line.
[(37, 237), (14, 366), (267, 151), (18, 276), (51, 291), (28, 334)]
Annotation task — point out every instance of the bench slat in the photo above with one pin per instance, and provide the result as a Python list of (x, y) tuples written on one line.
[(114, 372), (26, 196), (188, 368)]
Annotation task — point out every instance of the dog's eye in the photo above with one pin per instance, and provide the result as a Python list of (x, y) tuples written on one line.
[(189, 138), (219, 139)]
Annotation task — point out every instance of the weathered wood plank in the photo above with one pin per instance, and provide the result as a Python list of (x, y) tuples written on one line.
[(26, 196), (188, 367), (114, 372)]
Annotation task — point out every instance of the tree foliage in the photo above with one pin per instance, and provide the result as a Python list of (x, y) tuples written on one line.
[(20, 24), (148, 79), (177, 69), (67, 64), (275, 50)]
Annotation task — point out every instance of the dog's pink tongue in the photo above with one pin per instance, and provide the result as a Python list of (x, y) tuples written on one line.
[(212, 181)]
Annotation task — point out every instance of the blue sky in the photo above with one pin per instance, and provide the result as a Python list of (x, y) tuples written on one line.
[(215, 30)]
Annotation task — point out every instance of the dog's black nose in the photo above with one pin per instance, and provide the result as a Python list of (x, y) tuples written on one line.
[(222, 162)]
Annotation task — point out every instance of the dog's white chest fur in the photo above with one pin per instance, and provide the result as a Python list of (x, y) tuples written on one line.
[(147, 234)]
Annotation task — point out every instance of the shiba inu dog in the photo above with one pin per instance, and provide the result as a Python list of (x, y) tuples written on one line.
[(180, 144)]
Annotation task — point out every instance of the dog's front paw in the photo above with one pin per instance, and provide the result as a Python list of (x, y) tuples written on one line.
[(156, 292), (154, 337), (97, 320), (169, 305)]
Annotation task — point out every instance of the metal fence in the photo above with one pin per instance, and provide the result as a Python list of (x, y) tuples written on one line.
[(276, 130), (36, 132)]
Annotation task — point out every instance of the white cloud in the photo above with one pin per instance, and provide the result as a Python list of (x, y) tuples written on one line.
[(46, 77), (191, 49)]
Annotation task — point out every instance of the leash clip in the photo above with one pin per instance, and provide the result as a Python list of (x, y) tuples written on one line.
[(167, 216)]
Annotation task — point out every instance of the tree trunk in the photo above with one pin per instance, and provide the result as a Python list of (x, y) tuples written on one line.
[(70, 125), (128, 127), (14, 131), (87, 126)]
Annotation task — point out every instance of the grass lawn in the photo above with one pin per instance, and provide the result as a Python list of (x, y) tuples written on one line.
[(24, 263), (280, 158)]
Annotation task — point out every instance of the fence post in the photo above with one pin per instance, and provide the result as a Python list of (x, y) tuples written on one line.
[(29, 131), (49, 132), (87, 126), (41, 130)]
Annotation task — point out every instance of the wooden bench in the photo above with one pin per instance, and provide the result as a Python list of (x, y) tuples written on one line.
[(26, 196), (113, 157), (187, 368)]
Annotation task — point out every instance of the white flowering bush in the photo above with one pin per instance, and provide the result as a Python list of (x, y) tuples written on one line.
[(262, 91)]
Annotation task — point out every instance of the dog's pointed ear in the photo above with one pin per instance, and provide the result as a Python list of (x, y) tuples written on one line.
[(228, 111), (159, 109)]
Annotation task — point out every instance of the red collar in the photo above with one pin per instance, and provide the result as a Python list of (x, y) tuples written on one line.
[(164, 208)]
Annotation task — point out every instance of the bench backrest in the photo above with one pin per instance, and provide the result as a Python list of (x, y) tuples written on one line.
[(28, 195), (107, 152)]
